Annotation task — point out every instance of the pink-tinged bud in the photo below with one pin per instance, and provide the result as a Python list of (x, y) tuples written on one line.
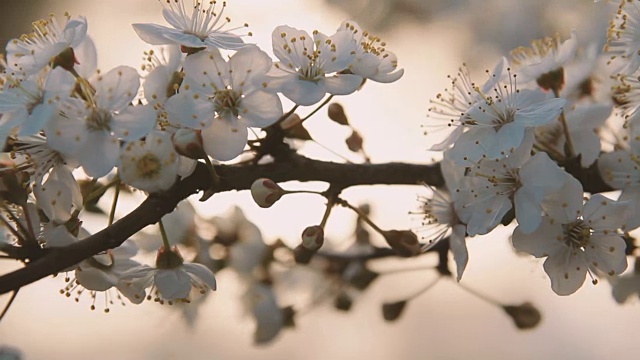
[(354, 142), (290, 122), (404, 242), (188, 142), (336, 113), (266, 192), (313, 237), (312, 240)]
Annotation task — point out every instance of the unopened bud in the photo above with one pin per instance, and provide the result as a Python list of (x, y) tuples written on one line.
[(290, 122), (188, 142), (392, 311), (404, 242), (354, 142), (343, 302), (336, 113), (525, 316), (312, 240), (313, 237), (266, 192)]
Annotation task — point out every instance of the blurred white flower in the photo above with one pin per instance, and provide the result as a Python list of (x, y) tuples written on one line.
[(623, 42), (244, 240), (195, 26), (543, 59), (172, 278), (578, 240), (583, 122), (260, 300), (373, 61)]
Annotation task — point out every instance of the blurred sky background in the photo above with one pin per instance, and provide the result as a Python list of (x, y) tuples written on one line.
[(431, 39)]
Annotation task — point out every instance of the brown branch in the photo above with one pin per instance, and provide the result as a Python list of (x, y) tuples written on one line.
[(293, 168), (289, 168)]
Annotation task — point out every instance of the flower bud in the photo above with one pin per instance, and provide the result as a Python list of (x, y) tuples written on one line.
[(312, 240), (525, 316), (354, 142), (336, 113), (188, 142), (343, 302), (313, 237), (266, 192), (392, 311), (404, 242)]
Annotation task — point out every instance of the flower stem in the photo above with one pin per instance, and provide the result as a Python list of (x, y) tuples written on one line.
[(163, 233), (362, 215), (112, 213), (480, 296), (569, 150), (318, 108)]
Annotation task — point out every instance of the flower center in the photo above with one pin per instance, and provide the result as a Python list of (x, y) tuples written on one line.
[(149, 166), (99, 120), (227, 100), (576, 234)]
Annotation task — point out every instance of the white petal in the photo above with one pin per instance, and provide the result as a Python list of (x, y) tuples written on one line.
[(134, 122), (173, 284), (545, 240), (607, 253), (201, 272), (540, 113), (567, 270), (260, 109), (343, 84), (459, 249), (152, 33), (117, 88), (99, 153), (225, 138), (93, 279)]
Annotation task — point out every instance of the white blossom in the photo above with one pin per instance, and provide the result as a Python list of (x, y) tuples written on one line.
[(198, 25), (151, 164), (309, 66), (232, 90), (34, 51), (29, 103), (90, 131), (623, 42), (172, 278), (372, 61), (578, 240)]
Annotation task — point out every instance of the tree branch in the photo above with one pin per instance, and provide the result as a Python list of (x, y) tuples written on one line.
[(293, 168)]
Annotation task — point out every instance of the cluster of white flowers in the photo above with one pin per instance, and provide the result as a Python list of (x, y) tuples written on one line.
[(516, 137), (74, 131)]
